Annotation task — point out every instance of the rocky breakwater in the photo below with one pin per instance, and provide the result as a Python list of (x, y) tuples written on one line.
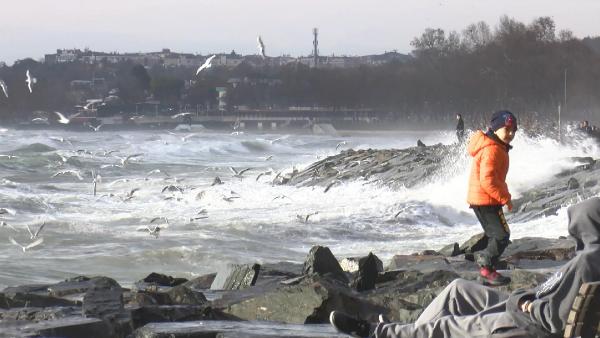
[(391, 167), (271, 300), (422, 164)]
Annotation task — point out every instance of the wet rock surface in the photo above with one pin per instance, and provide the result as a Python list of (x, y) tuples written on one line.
[(286, 300)]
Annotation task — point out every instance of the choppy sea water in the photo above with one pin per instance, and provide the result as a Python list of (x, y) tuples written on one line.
[(98, 235)]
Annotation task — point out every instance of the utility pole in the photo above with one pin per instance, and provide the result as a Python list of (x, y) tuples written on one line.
[(559, 136), (315, 46), (564, 105)]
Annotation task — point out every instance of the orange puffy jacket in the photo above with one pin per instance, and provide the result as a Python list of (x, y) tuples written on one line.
[(487, 182)]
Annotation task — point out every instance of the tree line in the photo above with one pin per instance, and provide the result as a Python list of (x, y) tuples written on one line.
[(514, 65)]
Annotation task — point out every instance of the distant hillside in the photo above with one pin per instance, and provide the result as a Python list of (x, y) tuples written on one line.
[(593, 43)]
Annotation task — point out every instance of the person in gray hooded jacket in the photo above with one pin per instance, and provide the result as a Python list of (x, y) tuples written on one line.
[(468, 309)]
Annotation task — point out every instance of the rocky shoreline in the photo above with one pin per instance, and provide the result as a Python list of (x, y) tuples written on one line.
[(272, 300), (294, 300)]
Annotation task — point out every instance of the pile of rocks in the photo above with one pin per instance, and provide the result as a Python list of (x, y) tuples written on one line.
[(270, 300)]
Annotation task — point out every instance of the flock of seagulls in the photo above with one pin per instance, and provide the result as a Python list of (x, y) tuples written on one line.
[(175, 191)]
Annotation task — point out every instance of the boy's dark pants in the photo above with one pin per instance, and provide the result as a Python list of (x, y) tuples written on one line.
[(497, 232)]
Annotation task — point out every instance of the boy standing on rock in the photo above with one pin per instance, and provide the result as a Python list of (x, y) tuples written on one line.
[(488, 191)]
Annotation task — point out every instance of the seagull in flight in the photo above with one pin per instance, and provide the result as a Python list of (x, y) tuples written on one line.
[(28, 246), (126, 160), (10, 157), (40, 120), (151, 231), (180, 115), (4, 88), (261, 47), (34, 235), (30, 80), (157, 171), (61, 118), (69, 172), (96, 128), (343, 143), (206, 64), (186, 137), (238, 173), (4, 211), (304, 218)]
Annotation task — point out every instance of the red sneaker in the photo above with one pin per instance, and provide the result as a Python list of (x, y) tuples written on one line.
[(489, 276)]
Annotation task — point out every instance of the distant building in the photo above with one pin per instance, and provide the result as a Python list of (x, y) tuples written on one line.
[(167, 58)]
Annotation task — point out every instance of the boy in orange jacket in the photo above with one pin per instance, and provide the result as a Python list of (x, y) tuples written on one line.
[(488, 191)]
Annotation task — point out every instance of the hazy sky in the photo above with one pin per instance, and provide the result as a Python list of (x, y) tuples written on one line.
[(346, 27)]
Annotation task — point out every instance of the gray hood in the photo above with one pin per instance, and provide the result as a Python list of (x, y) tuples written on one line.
[(584, 224)]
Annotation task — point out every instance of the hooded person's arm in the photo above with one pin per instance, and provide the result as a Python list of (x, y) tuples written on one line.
[(488, 176)]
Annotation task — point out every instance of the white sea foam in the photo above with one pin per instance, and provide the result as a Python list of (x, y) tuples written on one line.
[(96, 235)]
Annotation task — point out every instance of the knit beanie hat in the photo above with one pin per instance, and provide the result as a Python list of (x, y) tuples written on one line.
[(503, 118)]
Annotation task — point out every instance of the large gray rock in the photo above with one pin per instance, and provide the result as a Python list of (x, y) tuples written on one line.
[(105, 301), (419, 263), (539, 249), (321, 261), (234, 277), (309, 301)]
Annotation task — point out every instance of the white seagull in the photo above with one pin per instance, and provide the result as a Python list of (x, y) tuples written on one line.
[(43, 120), (61, 118), (96, 128), (28, 246), (30, 80), (69, 172), (261, 47), (126, 160), (36, 234), (206, 64), (4, 88), (304, 218), (343, 143), (238, 173), (180, 115)]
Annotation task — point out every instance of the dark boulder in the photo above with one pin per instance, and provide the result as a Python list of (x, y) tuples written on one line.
[(321, 261), (163, 280), (368, 271)]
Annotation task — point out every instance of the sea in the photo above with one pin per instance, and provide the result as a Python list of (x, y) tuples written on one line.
[(151, 178)]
